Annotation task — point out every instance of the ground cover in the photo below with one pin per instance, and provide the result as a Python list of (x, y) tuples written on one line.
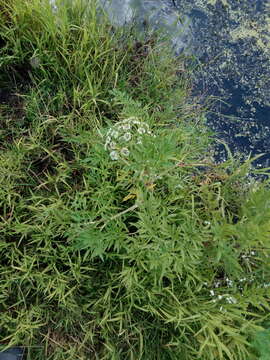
[(120, 238)]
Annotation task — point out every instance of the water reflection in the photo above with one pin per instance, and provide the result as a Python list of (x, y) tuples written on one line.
[(157, 14)]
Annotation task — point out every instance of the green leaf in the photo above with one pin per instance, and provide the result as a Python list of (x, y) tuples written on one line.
[(261, 344)]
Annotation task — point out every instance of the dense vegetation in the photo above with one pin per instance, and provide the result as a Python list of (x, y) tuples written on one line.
[(120, 238)]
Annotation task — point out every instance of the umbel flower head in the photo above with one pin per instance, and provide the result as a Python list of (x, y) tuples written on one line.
[(124, 135)]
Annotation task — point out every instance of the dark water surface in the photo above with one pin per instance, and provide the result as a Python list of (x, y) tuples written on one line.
[(231, 41)]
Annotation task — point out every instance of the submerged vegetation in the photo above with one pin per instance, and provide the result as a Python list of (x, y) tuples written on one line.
[(120, 238)]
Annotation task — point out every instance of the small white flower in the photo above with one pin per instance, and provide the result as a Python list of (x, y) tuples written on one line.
[(115, 134), (212, 293), (141, 130), (113, 145), (125, 151), (127, 136), (231, 300), (114, 155), (132, 120), (126, 127), (229, 282)]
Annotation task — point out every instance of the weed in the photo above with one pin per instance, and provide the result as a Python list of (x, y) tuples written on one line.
[(155, 254)]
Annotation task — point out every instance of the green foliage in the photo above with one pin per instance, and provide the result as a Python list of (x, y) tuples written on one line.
[(261, 343), (159, 255)]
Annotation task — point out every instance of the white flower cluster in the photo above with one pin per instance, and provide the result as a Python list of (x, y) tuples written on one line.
[(227, 297), (123, 135), (228, 283)]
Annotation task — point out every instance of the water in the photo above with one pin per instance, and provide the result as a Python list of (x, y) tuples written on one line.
[(231, 40), (158, 14), (15, 353)]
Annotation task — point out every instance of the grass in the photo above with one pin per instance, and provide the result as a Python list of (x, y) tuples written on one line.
[(160, 254)]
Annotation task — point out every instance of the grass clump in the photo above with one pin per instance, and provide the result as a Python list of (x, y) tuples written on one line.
[(120, 238)]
